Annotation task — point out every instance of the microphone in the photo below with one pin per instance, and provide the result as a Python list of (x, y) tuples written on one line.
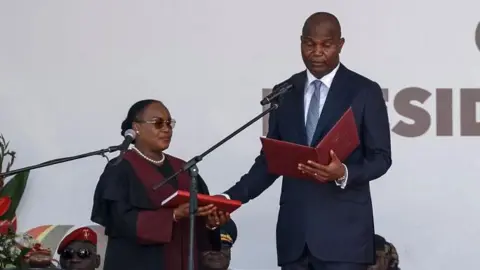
[(277, 92), (129, 137)]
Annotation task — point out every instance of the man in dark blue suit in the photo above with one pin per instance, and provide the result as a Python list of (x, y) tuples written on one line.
[(326, 223)]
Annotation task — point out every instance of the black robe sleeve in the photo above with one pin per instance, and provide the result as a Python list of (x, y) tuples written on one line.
[(121, 205)]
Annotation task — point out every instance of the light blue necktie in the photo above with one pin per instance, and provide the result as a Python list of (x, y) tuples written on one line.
[(313, 111)]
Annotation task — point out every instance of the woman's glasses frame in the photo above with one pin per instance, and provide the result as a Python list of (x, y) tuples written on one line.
[(159, 123)]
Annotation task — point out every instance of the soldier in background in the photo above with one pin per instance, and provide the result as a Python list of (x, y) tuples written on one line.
[(220, 260), (78, 250), (386, 255)]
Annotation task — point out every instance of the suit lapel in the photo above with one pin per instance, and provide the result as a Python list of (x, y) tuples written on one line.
[(339, 98), (297, 108)]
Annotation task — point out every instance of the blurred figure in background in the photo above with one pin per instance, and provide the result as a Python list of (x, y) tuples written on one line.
[(386, 255), (78, 250), (220, 260)]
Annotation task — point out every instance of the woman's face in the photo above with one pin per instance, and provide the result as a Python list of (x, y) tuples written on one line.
[(154, 127)]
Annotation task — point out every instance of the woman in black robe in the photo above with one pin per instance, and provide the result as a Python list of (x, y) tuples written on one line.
[(142, 234)]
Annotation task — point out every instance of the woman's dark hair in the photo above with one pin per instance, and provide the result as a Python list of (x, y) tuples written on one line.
[(134, 113)]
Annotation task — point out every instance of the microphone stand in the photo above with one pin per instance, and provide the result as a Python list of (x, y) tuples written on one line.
[(191, 167), (101, 152)]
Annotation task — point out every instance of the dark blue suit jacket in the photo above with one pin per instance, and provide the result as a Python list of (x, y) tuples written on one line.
[(336, 224)]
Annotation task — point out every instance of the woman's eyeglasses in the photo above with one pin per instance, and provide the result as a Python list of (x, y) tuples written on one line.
[(81, 253), (159, 123)]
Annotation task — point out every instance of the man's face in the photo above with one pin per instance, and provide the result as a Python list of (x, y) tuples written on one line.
[(381, 263), (321, 46), (80, 256)]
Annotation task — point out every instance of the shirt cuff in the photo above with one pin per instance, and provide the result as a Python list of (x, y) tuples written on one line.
[(342, 183), (211, 228), (226, 196)]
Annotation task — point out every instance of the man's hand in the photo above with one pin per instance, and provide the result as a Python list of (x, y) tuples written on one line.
[(331, 172), (182, 211), (217, 218), (206, 210)]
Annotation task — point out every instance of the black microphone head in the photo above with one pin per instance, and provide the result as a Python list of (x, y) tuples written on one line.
[(277, 92), (130, 133), (286, 85)]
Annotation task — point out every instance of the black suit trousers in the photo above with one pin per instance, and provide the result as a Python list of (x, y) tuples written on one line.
[(309, 262)]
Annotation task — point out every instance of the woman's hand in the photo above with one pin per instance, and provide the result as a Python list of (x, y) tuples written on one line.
[(182, 211)]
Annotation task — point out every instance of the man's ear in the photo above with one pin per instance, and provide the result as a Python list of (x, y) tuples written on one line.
[(135, 127), (340, 45), (97, 261)]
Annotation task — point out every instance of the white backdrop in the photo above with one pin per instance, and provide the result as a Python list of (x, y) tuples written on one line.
[(69, 72)]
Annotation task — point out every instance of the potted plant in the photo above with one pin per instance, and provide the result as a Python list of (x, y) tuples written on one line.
[(19, 251), (13, 249), (11, 190)]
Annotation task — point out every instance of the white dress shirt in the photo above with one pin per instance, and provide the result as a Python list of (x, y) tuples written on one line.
[(309, 89)]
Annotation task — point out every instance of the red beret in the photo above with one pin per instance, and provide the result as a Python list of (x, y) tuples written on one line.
[(81, 234)]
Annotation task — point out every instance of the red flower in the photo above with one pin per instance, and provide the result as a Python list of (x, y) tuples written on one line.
[(4, 226), (5, 203)]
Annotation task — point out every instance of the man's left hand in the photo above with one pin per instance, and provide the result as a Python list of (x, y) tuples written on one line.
[(324, 173)]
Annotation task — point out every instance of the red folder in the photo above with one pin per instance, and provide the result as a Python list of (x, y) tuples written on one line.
[(283, 157), (222, 204)]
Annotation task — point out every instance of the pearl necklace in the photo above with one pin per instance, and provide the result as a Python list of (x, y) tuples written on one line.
[(157, 162)]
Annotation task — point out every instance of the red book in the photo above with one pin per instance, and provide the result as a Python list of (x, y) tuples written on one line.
[(283, 157), (222, 204)]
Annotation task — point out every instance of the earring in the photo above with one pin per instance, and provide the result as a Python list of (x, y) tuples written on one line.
[(136, 131)]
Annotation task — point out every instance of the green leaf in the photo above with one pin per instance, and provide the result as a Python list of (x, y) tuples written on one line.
[(14, 189)]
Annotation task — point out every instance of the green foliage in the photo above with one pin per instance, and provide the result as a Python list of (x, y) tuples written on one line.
[(15, 187)]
